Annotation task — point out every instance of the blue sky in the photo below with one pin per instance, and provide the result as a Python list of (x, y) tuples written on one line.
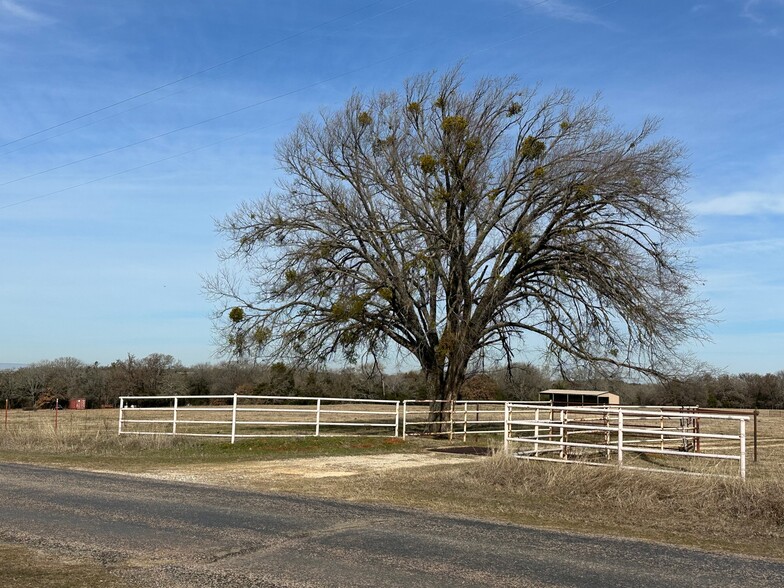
[(107, 221)]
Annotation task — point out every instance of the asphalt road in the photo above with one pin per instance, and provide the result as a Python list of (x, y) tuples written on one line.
[(173, 534)]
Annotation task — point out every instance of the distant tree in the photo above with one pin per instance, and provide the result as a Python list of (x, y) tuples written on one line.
[(155, 375), (522, 381), (730, 392), (122, 379), (764, 391), (66, 377), (200, 377), (32, 379), (227, 377), (6, 385), (452, 220), (281, 380), (161, 374), (407, 386), (479, 387)]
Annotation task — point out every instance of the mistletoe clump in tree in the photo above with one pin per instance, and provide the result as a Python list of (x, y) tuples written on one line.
[(452, 223)]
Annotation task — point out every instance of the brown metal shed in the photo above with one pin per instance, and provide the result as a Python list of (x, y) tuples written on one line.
[(579, 397)]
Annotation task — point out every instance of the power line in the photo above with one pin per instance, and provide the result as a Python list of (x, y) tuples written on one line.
[(196, 73), (165, 96), (92, 122), (235, 111), (204, 121), (277, 97), (144, 165), (199, 123)]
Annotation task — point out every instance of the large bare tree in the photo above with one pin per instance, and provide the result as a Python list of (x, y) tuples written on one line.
[(454, 222)]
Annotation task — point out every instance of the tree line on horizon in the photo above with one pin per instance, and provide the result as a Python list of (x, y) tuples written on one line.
[(41, 384)]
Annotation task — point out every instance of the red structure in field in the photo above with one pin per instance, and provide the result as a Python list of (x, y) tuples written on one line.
[(77, 403)]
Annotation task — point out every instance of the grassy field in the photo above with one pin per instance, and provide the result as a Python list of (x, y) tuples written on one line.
[(706, 512)]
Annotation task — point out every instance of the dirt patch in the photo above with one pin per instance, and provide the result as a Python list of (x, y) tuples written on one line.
[(268, 472)]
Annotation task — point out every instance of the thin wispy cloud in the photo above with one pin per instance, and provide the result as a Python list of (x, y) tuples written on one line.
[(736, 247), (17, 11), (564, 10), (768, 14), (741, 204)]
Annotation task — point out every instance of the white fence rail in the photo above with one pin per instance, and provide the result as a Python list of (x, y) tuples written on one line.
[(456, 420), (583, 434), (240, 416)]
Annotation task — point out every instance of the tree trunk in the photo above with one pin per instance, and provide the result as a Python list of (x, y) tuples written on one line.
[(446, 385)]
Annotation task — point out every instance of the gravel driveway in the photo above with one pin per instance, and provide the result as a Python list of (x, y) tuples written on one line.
[(174, 534)]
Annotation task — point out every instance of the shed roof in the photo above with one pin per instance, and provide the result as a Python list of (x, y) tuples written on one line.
[(579, 396)]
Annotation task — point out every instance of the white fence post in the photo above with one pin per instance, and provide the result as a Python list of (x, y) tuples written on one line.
[(507, 426), (536, 433), (318, 416), (234, 419), (620, 437), (451, 419), (174, 417), (397, 418), (743, 450), (405, 414), (119, 425), (562, 437)]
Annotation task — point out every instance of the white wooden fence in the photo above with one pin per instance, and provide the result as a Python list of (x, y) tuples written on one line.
[(583, 434)]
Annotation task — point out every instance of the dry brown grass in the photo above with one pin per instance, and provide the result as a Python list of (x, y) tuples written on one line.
[(88, 433), (28, 568), (707, 512), (89, 439)]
